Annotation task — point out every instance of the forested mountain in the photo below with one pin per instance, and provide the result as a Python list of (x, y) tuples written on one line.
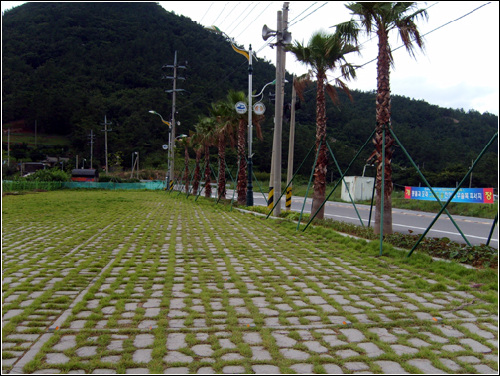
[(67, 65)]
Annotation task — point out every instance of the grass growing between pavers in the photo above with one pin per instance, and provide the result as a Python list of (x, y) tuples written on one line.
[(151, 280)]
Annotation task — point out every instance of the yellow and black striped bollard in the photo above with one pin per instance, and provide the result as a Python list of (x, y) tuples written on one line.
[(270, 198), (289, 198)]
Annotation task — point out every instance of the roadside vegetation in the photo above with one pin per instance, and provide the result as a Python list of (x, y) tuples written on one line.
[(482, 256)]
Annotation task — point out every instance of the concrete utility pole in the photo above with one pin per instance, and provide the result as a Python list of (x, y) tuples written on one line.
[(291, 142), (91, 147), (171, 151), (278, 117), (106, 130)]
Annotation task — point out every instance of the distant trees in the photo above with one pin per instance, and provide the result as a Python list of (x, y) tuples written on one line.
[(65, 66)]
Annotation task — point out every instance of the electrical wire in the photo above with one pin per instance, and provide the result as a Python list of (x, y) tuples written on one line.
[(231, 11), (301, 13), (241, 14), (253, 21), (423, 35), (246, 16), (223, 9), (309, 14), (210, 7), (193, 100)]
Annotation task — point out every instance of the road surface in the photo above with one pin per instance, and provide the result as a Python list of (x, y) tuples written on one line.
[(476, 230)]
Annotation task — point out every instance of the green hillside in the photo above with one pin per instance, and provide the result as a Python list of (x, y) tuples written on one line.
[(67, 65)]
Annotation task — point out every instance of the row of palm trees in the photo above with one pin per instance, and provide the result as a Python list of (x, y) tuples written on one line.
[(328, 52), (223, 126), (325, 52)]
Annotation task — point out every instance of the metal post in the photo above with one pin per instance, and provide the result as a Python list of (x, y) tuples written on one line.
[(495, 221), (382, 194), (371, 203), (250, 128), (428, 185), (453, 194), (291, 142)]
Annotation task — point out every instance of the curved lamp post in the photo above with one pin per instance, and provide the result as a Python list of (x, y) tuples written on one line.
[(170, 158), (273, 82), (248, 55)]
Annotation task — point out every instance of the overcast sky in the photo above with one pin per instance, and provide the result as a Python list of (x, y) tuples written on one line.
[(459, 68)]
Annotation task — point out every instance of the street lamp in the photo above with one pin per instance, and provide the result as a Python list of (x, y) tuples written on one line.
[(273, 82), (163, 120), (170, 146), (248, 55)]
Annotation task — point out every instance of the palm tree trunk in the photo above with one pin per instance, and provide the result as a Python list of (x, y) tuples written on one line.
[(186, 169), (221, 191), (322, 162), (197, 175), (383, 117), (208, 187), (242, 173)]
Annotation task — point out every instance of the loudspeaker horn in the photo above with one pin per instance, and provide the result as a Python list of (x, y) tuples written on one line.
[(287, 37), (267, 32)]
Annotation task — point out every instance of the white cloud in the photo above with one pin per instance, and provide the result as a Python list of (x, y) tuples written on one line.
[(458, 95)]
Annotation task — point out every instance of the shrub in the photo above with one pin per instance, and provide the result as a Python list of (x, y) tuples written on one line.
[(53, 174)]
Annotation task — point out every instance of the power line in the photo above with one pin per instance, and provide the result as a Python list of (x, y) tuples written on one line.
[(301, 13), (231, 11), (309, 14), (213, 23), (254, 20), (429, 32), (208, 10), (241, 14), (246, 16)]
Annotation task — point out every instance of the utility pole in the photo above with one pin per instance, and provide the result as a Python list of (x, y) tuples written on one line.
[(8, 146), (291, 142), (470, 181), (174, 78), (278, 118), (91, 147), (106, 130)]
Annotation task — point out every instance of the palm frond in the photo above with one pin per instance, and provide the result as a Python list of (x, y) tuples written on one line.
[(300, 83), (332, 93)]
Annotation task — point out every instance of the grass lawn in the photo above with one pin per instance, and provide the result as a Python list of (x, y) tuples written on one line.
[(134, 280)]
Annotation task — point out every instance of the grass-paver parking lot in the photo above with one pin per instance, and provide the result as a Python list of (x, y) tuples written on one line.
[(150, 282)]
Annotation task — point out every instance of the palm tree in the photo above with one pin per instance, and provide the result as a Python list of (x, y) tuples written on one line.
[(324, 52), (221, 112), (205, 136), (234, 97), (198, 149), (382, 18), (185, 141)]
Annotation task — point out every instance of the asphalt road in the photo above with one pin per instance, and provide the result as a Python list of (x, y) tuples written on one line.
[(476, 230)]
